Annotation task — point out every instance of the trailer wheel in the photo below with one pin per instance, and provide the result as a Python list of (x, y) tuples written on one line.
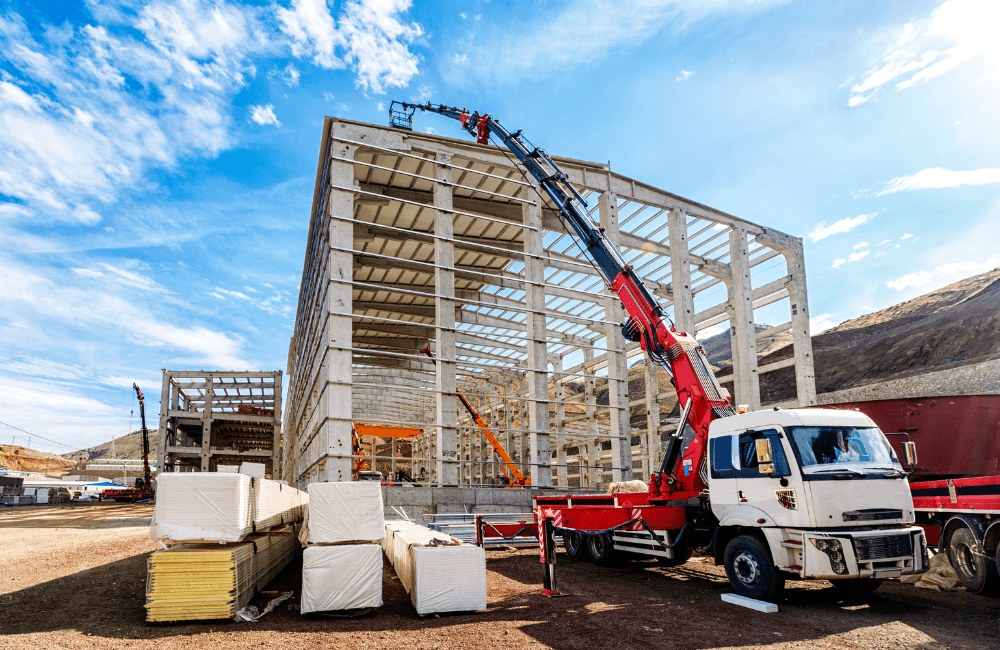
[(975, 571), (750, 569), (600, 549), (575, 545)]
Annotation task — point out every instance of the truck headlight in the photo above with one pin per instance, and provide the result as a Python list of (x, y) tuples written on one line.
[(834, 551)]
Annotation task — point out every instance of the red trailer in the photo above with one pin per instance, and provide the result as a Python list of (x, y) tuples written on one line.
[(963, 517)]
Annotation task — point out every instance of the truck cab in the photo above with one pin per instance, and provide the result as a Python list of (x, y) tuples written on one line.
[(809, 493)]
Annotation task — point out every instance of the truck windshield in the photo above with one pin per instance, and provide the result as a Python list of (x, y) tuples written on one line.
[(819, 447)]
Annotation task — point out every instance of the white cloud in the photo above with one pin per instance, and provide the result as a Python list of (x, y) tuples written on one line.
[(685, 74), (958, 31), (328, 97), (821, 323), (291, 76), (907, 235), (822, 231), (884, 242), (938, 178), (853, 257), (861, 244), (264, 115), (589, 30), (943, 275), (368, 36), (461, 58)]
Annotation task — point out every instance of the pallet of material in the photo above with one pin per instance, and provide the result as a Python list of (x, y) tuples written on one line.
[(220, 507), (345, 512), (440, 573), (344, 577), (192, 582)]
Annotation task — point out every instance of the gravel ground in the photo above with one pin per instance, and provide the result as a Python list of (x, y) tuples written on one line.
[(73, 576)]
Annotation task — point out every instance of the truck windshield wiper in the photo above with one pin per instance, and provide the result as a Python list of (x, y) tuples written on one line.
[(840, 469), (890, 471)]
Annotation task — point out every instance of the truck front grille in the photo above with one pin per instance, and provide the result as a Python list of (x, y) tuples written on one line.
[(878, 548), (873, 514)]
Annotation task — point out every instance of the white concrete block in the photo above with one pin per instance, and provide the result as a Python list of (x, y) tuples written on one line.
[(751, 603)]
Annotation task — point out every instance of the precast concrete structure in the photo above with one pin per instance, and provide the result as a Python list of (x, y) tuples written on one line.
[(212, 418), (420, 240)]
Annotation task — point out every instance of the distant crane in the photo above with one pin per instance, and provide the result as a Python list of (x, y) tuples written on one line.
[(143, 486)]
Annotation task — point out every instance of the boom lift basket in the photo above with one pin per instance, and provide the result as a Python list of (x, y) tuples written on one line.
[(400, 118)]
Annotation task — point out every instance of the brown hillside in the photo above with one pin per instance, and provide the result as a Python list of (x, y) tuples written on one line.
[(127, 446), (958, 324), (22, 459)]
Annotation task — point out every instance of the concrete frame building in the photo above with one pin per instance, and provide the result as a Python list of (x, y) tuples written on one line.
[(202, 426), (418, 240)]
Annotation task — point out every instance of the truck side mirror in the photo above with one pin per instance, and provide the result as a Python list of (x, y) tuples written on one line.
[(765, 457), (910, 453)]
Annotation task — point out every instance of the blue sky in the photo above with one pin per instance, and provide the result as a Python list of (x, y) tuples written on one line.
[(157, 159)]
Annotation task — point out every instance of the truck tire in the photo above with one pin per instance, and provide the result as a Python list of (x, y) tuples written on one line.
[(575, 545), (751, 570), (601, 551), (857, 587), (975, 571)]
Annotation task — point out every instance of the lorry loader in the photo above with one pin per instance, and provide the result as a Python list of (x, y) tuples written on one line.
[(771, 495)]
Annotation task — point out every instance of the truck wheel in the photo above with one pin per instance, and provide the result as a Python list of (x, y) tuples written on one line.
[(975, 571), (600, 549), (750, 569), (857, 586), (575, 545)]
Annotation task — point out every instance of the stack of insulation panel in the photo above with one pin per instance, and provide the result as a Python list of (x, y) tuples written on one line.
[(440, 573), (193, 582), (342, 562), (220, 507)]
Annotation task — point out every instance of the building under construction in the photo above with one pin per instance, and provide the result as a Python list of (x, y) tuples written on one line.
[(419, 240)]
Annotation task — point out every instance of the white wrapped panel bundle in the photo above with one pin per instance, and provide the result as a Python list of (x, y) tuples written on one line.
[(228, 469), (438, 578), (341, 577), (267, 509), (202, 506), (255, 470), (343, 512)]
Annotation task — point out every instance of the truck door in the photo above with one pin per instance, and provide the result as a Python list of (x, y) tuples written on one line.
[(764, 491)]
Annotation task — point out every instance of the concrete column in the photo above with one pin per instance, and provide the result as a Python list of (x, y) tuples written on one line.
[(593, 445), (562, 472), (336, 393), (805, 377), (621, 447), (276, 467), (652, 417), (206, 424), (508, 419), (680, 272), (540, 455), (162, 434), (742, 331), (444, 312)]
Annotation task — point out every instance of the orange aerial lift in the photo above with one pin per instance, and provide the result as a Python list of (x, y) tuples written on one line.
[(512, 475)]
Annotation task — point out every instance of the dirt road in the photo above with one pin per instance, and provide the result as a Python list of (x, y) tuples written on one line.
[(74, 576)]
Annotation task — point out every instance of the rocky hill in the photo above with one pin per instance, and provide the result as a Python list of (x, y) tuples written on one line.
[(23, 459), (127, 446), (956, 325)]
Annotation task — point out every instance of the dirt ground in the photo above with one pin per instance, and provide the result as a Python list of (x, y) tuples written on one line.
[(73, 576)]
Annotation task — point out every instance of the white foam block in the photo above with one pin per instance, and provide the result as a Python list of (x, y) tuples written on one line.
[(342, 512), (252, 469), (341, 577), (448, 579), (743, 601), (202, 506)]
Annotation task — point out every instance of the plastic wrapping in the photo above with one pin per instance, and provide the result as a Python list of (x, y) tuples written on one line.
[(345, 512), (341, 577), (202, 506), (438, 578), (214, 507), (255, 470), (448, 579)]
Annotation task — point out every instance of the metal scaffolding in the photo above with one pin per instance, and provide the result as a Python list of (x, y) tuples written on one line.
[(419, 240)]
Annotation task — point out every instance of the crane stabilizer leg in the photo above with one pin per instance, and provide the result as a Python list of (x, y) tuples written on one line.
[(509, 468)]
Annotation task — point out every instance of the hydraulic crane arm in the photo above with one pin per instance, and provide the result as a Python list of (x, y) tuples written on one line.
[(509, 468), (146, 474), (678, 352)]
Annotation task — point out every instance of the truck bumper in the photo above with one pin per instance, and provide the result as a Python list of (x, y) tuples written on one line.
[(835, 555)]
